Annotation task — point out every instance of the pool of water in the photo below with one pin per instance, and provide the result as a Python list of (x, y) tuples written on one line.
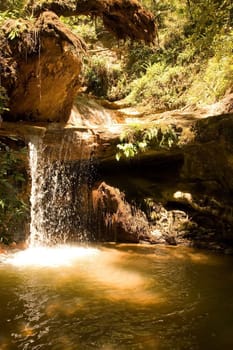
[(116, 297)]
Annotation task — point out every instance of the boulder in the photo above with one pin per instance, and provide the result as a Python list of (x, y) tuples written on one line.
[(40, 66), (116, 220)]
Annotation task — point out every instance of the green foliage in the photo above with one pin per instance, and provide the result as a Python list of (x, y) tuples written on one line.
[(216, 76), (161, 86), (212, 83), (137, 139), (139, 57), (82, 26), (193, 63), (18, 28), (11, 9), (11, 17), (12, 207), (104, 79)]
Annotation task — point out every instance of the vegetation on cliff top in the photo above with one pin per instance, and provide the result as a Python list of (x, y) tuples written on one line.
[(193, 63), (190, 62)]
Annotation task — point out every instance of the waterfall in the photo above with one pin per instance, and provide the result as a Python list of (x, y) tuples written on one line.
[(61, 167)]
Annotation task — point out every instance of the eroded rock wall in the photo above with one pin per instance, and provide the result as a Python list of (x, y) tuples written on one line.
[(193, 181), (40, 69)]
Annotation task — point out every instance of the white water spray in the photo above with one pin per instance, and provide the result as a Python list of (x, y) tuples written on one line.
[(59, 190), (61, 170), (36, 230)]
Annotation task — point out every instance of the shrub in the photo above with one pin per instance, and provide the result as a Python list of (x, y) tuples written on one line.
[(162, 86), (216, 76), (104, 79), (13, 209)]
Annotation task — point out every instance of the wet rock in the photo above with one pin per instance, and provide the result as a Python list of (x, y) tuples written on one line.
[(171, 240), (117, 220)]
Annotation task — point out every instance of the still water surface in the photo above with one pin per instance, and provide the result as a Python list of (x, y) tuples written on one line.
[(116, 297)]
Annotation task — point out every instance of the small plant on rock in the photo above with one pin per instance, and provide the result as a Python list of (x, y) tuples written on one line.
[(137, 139)]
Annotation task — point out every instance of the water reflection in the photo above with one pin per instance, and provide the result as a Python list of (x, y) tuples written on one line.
[(121, 297)]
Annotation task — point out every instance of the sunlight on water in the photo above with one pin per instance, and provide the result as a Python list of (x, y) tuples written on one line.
[(50, 256), (97, 265), (115, 297)]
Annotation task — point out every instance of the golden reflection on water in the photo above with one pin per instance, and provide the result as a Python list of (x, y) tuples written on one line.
[(169, 253), (119, 282), (108, 271), (121, 293), (5, 344), (53, 308), (65, 343), (26, 331)]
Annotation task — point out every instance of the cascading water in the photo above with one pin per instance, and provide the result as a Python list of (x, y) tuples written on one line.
[(60, 189)]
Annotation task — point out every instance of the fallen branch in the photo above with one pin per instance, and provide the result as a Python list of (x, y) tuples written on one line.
[(124, 18)]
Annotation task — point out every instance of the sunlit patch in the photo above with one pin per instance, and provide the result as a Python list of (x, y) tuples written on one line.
[(120, 282), (52, 309), (149, 342), (86, 135), (108, 347), (114, 128), (50, 256), (183, 195), (4, 343), (184, 253), (27, 331), (138, 297), (202, 258)]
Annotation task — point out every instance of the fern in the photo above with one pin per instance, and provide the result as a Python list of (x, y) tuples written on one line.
[(136, 140)]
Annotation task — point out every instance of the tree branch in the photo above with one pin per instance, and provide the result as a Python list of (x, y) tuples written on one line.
[(124, 18)]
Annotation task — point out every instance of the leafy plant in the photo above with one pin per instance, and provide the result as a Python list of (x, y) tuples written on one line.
[(103, 79), (216, 76), (82, 26), (11, 9), (194, 55), (161, 86), (136, 140), (18, 28), (13, 208)]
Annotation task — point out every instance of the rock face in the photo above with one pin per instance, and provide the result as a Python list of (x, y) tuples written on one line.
[(184, 193), (40, 69), (208, 160), (192, 181), (116, 220)]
